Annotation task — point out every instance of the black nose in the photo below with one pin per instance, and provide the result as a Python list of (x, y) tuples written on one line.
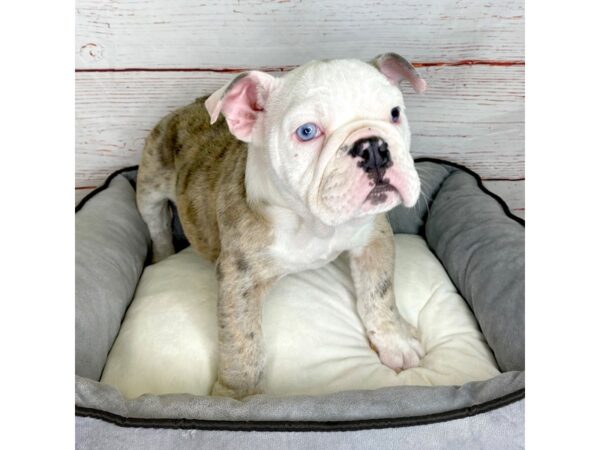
[(373, 152)]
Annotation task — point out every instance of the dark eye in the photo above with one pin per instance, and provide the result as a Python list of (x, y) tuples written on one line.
[(395, 113), (307, 131)]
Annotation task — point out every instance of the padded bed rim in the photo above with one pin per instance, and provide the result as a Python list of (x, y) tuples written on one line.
[(480, 184), (104, 186), (302, 425)]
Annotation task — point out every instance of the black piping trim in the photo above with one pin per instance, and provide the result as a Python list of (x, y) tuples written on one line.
[(99, 189), (479, 183), (304, 426)]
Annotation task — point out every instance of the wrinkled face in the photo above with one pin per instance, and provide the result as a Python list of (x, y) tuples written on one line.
[(336, 137)]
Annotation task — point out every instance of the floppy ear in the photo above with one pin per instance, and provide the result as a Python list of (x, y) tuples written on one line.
[(396, 69), (241, 101)]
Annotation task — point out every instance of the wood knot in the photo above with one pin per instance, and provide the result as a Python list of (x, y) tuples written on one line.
[(91, 52)]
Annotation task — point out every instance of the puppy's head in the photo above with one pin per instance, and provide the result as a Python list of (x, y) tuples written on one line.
[(333, 134)]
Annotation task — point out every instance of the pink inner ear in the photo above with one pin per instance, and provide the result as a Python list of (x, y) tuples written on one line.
[(396, 69), (240, 107)]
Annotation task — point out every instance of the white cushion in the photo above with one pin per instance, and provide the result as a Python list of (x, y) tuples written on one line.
[(314, 340)]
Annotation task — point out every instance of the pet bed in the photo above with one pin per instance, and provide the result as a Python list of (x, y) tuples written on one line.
[(459, 242), (314, 340)]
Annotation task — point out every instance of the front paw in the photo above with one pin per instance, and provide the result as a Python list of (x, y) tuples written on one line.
[(222, 390), (398, 347)]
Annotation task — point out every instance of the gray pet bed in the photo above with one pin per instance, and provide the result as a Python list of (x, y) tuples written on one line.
[(470, 230)]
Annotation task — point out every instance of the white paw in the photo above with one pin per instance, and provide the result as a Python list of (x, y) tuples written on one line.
[(398, 348)]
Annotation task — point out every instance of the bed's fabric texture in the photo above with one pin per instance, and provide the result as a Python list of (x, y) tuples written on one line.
[(111, 242), (500, 429), (384, 403), (314, 340), (483, 251)]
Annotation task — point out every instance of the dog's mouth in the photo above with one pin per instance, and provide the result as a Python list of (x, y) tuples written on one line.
[(380, 192)]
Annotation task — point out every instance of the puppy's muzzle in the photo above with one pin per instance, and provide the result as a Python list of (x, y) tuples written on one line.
[(374, 155)]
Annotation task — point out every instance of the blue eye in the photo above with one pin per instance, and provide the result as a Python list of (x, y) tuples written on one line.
[(307, 131), (395, 113)]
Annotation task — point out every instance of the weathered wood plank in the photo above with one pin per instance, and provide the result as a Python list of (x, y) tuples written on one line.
[(472, 115), (512, 192), (268, 33)]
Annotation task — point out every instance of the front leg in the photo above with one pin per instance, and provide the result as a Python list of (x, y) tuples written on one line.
[(372, 268), (241, 359)]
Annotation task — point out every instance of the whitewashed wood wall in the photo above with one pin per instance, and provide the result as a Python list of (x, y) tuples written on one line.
[(136, 60)]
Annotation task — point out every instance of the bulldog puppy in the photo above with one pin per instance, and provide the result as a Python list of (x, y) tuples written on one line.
[(301, 168)]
